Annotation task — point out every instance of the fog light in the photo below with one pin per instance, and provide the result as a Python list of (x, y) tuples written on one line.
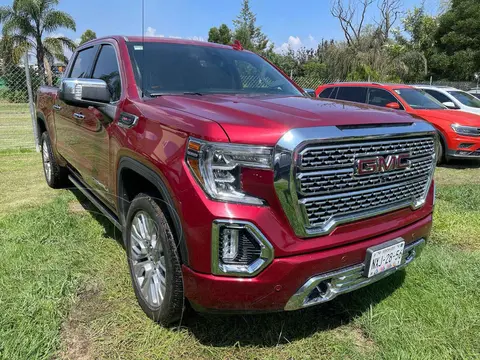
[(239, 248), (229, 244), (465, 145)]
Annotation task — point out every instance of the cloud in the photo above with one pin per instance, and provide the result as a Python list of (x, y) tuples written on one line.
[(152, 32), (196, 38), (295, 43)]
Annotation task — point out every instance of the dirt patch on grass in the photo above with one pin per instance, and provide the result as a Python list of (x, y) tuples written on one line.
[(76, 207), (76, 337)]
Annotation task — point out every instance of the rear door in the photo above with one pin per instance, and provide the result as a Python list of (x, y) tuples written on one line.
[(68, 118), (356, 94)]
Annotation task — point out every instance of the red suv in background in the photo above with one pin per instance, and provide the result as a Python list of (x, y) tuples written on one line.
[(459, 131)]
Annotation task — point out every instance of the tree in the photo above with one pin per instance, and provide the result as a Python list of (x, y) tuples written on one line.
[(28, 22), (87, 36), (247, 31), (220, 35), (417, 42), (389, 13), (458, 41), (351, 18)]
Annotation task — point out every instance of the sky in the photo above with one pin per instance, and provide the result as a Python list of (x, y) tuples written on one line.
[(285, 22)]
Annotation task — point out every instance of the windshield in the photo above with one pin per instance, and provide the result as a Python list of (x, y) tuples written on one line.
[(166, 68), (466, 98), (419, 99)]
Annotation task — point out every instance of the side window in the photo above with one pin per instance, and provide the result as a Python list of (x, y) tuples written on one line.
[(355, 94), (83, 62), (438, 95), (106, 69), (381, 97), (325, 94)]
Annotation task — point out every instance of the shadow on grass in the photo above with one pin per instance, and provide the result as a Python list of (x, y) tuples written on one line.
[(269, 330), (272, 329), (110, 230), (461, 164)]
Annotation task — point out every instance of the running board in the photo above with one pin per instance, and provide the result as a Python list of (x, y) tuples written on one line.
[(98, 204)]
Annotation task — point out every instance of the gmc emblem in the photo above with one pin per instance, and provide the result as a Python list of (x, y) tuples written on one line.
[(381, 164)]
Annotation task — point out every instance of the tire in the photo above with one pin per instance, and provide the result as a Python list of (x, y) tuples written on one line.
[(56, 176), (153, 261)]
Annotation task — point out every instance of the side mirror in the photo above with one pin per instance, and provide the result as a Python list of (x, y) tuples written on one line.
[(450, 105), (310, 92), (393, 105), (84, 92)]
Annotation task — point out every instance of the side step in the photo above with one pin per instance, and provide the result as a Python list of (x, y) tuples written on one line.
[(90, 196)]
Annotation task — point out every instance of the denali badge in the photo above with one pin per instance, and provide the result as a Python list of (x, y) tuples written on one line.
[(381, 164)]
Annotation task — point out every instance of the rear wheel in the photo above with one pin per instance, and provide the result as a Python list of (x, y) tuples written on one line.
[(55, 175), (154, 261)]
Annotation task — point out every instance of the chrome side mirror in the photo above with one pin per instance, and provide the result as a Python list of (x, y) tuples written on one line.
[(84, 91)]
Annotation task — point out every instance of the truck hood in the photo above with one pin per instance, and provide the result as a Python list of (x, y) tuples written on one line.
[(264, 119), (450, 116)]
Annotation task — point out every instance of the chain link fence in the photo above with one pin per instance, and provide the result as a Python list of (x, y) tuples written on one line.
[(16, 126)]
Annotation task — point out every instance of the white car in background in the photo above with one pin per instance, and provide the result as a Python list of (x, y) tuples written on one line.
[(475, 92), (453, 98)]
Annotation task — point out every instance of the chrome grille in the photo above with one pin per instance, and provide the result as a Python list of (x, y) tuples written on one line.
[(330, 192), (319, 184), (321, 210), (327, 182), (344, 154)]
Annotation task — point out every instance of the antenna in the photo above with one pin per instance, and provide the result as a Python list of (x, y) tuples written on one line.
[(143, 48)]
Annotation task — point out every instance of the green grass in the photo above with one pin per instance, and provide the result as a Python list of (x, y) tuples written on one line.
[(16, 130), (66, 293)]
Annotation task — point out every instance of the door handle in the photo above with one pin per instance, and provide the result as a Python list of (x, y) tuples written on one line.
[(57, 107), (78, 116)]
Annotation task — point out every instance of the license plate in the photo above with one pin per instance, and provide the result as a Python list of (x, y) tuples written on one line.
[(383, 257)]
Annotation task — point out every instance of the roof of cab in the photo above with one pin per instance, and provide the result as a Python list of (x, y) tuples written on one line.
[(158, 39), (366, 83)]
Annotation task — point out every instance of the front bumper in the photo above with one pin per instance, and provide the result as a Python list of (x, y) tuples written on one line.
[(283, 284), (464, 147)]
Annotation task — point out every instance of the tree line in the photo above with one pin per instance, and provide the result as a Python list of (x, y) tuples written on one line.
[(396, 45)]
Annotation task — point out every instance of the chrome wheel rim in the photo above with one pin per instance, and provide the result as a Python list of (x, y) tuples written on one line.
[(47, 165), (148, 259)]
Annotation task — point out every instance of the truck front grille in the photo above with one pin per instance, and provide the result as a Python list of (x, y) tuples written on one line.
[(325, 187)]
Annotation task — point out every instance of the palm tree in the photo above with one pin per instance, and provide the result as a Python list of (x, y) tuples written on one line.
[(28, 22)]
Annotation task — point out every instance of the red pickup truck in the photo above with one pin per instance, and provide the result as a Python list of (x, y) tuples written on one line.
[(233, 188)]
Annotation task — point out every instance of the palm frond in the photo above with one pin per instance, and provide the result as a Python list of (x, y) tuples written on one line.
[(6, 12), (55, 19)]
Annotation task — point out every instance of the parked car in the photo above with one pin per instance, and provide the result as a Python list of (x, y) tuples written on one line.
[(475, 92), (459, 132), (237, 194), (453, 98)]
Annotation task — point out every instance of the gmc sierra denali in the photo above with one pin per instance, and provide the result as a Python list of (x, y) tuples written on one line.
[(233, 188)]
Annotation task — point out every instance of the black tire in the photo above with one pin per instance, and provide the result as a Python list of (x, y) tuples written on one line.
[(171, 307), (56, 176)]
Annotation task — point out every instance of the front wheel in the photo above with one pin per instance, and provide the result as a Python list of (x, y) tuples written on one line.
[(154, 261)]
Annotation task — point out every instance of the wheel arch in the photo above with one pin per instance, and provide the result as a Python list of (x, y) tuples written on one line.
[(128, 165)]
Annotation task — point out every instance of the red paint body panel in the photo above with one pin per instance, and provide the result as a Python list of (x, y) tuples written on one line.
[(259, 293), (159, 142)]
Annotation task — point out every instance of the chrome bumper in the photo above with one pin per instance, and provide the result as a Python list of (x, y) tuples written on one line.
[(325, 287)]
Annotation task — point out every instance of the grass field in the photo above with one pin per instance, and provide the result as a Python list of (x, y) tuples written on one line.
[(15, 127), (66, 293)]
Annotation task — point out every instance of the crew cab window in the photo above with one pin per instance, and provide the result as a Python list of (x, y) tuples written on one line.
[(380, 97), (327, 93), (438, 95), (106, 69), (83, 63), (466, 98), (354, 93), (163, 68)]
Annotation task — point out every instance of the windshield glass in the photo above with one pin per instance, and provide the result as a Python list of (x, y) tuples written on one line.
[(166, 68), (419, 99), (466, 98)]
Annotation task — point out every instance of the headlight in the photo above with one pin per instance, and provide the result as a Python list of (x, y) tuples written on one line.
[(217, 168), (466, 130)]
